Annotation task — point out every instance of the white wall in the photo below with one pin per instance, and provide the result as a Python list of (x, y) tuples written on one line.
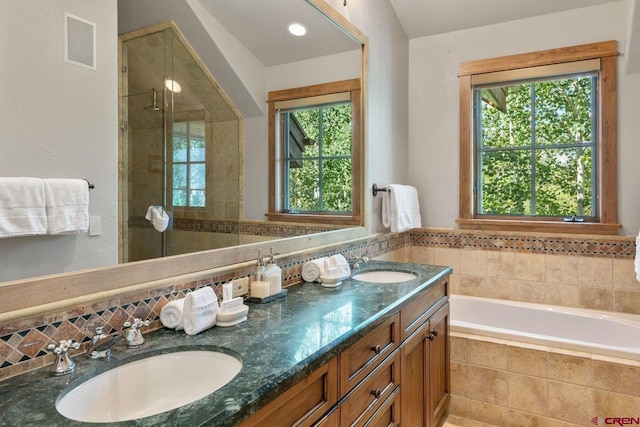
[(59, 120), (386, 132), (433, 101)]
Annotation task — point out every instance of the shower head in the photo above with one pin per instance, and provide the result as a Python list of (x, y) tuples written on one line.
[(154, 106)]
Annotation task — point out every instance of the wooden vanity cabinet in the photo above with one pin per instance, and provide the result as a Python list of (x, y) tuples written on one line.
[(304, 404), (397, 374), (425, 370)]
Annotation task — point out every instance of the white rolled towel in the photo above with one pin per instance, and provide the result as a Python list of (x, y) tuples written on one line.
[(200, 310), (339, 262), (171, 314), (314, 269)]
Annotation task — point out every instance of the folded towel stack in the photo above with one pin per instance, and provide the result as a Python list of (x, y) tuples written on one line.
[(22, 207), (200, 310), (314, 269), (171, 314), (400, 208)]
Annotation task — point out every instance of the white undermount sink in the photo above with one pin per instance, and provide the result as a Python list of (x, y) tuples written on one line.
[(384, 276), (149, 386)]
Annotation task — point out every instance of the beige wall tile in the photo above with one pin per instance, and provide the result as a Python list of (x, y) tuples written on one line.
[(487, 354), (624, 275), (627, 301), (487, 413), (530, 267), (531, 292), (561, 269), (456, 421), (570, 402), (571, 369), (448, 257), (488, 287), (422, 255), (596, 298), (528, 393), (525, 419), (595, 272), (501, 264), (608, 404), (527, 361), (565, 295), (459, 406), (473, 262), (488, 385), (459, 348), (617, 378), (459, 378)]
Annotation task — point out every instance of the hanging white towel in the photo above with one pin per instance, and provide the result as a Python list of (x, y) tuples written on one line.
[(636, 261), (67, 205), (200, 310), (171, 314), (22, 207), (314, 269), (158, 217), (400, 208)]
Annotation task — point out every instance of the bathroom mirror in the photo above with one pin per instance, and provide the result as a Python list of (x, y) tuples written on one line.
[(19, 292)]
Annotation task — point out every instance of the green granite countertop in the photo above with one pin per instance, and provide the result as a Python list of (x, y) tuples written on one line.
[(281, 342)]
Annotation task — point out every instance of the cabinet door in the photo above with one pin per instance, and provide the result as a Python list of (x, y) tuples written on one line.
[(304, 403), (414, 378), (439, 365)]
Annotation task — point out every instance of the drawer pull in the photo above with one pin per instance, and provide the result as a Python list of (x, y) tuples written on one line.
[(376, 393), (432, 336), (376, 349), (435, 333)]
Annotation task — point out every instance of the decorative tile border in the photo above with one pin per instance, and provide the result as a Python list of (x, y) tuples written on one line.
[(538, 243), (23, 343)]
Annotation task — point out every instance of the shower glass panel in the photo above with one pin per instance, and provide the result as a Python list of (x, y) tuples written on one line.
[(181, 150)]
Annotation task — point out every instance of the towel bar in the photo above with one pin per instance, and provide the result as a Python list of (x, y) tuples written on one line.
[(91, 186), (375, 190)]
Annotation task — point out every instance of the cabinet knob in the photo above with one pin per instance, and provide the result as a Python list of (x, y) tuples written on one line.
[(376, 393), (376, 349), (435, 333), (432, 336)]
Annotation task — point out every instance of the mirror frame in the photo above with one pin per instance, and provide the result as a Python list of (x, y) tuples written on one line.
[(31, 297)]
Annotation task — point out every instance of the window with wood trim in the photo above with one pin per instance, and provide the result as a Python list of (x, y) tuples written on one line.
[(315, 153), (538, 141)]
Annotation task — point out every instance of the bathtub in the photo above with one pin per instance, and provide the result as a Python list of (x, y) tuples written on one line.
[(591, 331)]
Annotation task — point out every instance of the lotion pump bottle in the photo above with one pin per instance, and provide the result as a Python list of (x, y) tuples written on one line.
[(260, 282), (275, 275)]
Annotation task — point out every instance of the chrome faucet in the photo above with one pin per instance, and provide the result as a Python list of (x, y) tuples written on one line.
[(63, 364), (134, 334), (355, 262), (101, 344)]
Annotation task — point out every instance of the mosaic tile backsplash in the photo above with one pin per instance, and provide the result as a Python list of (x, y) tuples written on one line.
[(23, 343)]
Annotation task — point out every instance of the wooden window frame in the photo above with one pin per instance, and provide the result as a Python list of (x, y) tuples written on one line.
[(275, 171), (607, 180)]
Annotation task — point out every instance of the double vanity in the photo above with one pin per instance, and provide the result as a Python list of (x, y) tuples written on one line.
[(372, 351)]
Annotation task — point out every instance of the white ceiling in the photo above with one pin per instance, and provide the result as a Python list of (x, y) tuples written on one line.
[(427, 17)]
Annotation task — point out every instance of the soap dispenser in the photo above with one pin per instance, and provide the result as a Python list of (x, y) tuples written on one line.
[(275, 275), (260, 283)]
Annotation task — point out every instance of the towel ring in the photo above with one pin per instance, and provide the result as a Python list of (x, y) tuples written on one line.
[(375, 190)]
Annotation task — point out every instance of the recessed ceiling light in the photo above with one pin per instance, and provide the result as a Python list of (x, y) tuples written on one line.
[(172, 85), (297, 29)]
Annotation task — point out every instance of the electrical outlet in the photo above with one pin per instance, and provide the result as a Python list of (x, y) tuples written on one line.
[(240, 287)]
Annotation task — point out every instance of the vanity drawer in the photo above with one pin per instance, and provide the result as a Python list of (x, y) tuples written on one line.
[(304, 404), (415, 312), (357, 361), (371, 393), (389, 413)]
